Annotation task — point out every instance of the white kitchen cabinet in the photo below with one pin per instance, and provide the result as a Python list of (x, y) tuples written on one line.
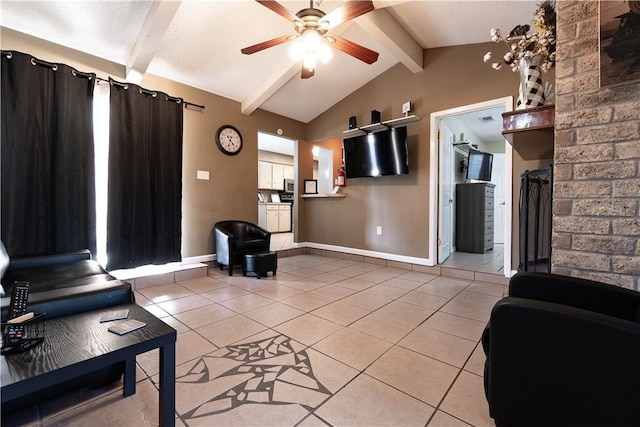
[(284, 217), (288, 172), (271, 176), (265, 180), (272, 220), (274, 217), (277, 176), (268, 216)]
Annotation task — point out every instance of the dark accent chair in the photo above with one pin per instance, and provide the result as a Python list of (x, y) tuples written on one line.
[(563, 351), (236, 238)]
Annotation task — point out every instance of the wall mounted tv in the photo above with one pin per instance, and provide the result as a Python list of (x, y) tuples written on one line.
[(479, 165), (377, 154)]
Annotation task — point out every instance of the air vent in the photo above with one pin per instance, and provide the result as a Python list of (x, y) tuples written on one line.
[(487, 119)]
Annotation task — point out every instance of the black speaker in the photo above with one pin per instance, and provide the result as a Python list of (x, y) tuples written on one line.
[(375, 116), (352, 122)]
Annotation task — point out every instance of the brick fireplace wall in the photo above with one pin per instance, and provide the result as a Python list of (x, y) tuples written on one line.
[(596, 191)]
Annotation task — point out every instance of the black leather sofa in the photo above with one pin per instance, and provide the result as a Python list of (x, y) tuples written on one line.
[(563, 351), (61, 285), (236, 238)]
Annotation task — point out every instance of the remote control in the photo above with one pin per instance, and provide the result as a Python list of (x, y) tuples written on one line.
[(19, 297), (13, 333)]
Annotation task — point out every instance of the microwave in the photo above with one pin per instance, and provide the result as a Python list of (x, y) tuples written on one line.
[(288, 186)]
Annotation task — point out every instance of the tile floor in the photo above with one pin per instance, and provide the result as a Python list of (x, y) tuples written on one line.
[(489, 262), (324, 342)]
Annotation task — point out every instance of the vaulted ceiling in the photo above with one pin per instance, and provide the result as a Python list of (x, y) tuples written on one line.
[(198, 42)]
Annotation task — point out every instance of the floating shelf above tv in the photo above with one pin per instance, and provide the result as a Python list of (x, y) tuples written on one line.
[(465, 146), (375, 127)]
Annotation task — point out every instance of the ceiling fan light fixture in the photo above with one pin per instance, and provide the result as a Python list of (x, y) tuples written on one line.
[(297, 51), (324, 53), (311, 40), (310, 61)]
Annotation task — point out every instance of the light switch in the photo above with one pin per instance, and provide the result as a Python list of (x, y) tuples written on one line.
[(203, 175)]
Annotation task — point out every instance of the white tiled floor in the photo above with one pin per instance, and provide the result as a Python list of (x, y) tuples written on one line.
[(325, 342), (489, 262)]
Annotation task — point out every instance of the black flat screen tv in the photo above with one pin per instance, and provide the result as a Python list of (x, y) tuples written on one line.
[(479, 165), (377, 154)]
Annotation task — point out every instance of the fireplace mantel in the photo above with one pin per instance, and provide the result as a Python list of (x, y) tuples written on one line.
[(530, 131)]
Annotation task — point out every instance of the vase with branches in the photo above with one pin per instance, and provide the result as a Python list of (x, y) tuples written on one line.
[(530, 53)]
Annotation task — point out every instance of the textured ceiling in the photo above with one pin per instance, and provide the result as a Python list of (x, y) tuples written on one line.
[(198, 42)]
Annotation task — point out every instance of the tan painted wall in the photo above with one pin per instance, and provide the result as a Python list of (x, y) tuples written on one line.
[(231, 190), (308, 209), (452, 77)]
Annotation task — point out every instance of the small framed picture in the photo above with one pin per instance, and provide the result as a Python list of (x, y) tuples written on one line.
[(310, 186)]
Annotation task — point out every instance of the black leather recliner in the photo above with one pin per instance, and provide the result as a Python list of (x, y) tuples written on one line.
[(563, 351), (236, 238)]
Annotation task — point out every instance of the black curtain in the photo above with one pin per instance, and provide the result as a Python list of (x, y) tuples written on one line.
[(145, 177), (47, 177)]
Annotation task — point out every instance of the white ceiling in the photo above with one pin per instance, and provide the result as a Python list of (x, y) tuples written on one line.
[(486, 124), (198, 42)]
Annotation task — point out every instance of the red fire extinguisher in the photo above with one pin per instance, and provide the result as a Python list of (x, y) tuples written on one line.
[(341, 177)]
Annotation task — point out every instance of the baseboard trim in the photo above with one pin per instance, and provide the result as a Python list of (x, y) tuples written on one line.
[(373, 254), (198, 259), (342, 249)]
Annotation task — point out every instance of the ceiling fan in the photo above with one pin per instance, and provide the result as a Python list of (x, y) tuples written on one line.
[(312, 28)]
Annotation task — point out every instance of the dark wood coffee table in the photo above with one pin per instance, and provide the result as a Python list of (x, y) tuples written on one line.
[(78, 344)]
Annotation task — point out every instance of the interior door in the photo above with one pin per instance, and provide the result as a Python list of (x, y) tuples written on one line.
[(445, 193)]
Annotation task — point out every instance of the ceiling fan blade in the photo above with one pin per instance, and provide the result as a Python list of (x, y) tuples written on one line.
[(306, 73), (348, 11), (279, 9), (354, 49), (266, 44)]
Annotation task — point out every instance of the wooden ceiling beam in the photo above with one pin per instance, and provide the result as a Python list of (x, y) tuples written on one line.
[(151, 35), (390, 34)]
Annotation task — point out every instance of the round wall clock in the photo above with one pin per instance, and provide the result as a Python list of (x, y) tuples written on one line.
[(229, 140)]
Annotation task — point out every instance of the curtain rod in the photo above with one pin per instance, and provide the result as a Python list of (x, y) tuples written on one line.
[(89, 76), (149, 92)]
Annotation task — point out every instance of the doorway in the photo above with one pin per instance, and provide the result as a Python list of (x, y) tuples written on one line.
[(451, 137), (276, 165)]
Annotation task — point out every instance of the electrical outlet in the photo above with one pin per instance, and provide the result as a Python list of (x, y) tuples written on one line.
[(406, 107), (379, 230), (203, 175)]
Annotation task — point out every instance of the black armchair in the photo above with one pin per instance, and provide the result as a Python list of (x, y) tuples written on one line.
[(563, 351), (236, 238)]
